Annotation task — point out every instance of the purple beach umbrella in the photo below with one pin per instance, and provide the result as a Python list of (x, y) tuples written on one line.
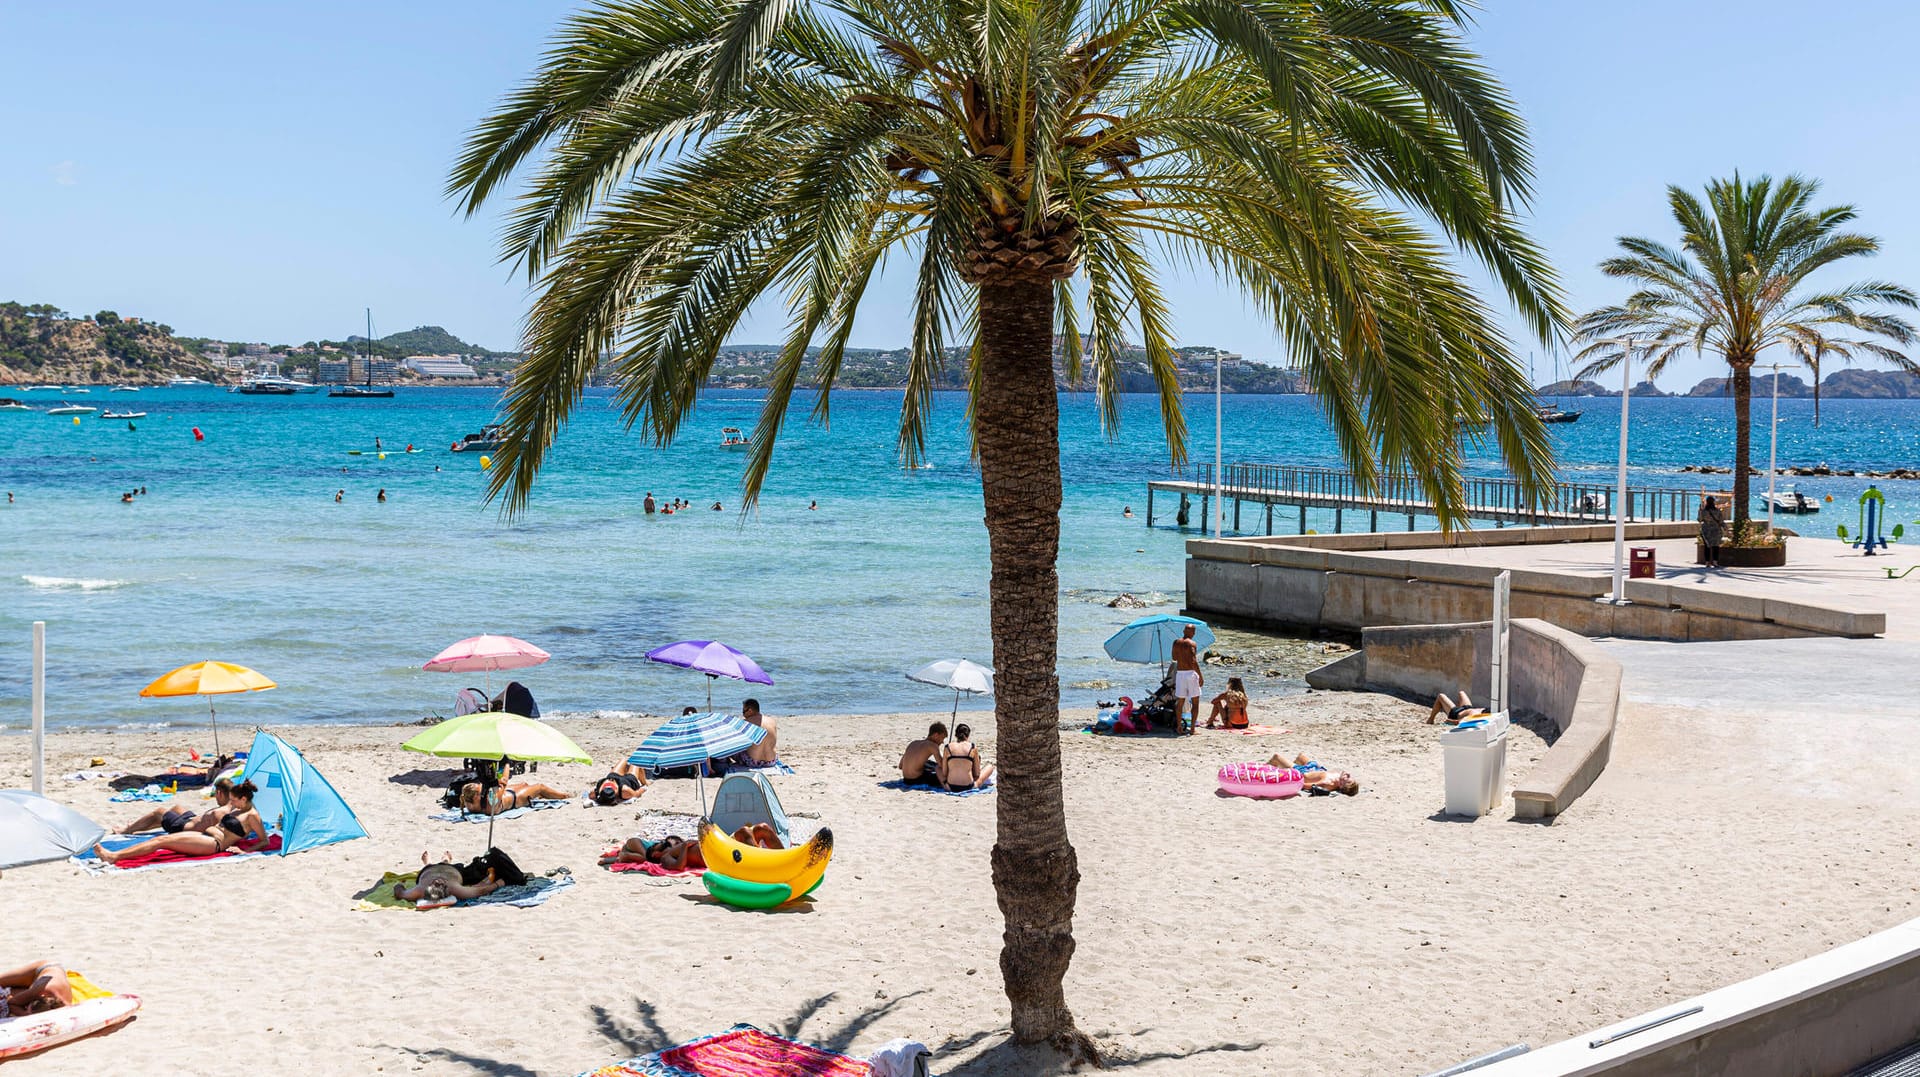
[(711, 658)]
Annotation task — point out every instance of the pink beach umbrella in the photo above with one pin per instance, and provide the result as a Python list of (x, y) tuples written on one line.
[(484, 654)]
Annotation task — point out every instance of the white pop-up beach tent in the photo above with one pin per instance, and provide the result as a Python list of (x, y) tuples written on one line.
[(34, 829)]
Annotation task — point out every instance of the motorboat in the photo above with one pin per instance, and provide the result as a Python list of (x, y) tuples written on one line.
[(72, 409), (488, 439), (8, 403), (361, 392), (732, 439), (1792, 502), (1553, 413), (78, 390), (264, 387), (181, 383), (48, 388), (124, 389), (123, 415)]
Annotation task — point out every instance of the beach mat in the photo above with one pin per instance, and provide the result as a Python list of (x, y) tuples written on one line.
[(916, 787), (151, 793), (536, 892), (162, 858), (1252, 731), (741, 1051), (455, 815)]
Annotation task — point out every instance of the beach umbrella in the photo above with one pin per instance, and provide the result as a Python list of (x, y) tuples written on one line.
[(484, 654), (957, 674), (497, 735), (711, 658), (34, 829), (208, 679), (1150, 639), (694, 739)]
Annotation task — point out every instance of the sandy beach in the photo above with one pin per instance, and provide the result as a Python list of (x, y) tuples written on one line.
[(1310, 936)]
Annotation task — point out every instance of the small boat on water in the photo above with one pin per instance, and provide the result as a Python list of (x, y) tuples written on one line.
[(1553, 413), (488, 439), (123, 415), (48, 388), (8, 403), (1792, 502), (732, 439), (124, 389), (72, 409), (181, 383), (264, 387), (78, 390), (361, 392)]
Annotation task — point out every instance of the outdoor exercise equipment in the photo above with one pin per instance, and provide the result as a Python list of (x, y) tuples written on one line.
[(1873, 510)]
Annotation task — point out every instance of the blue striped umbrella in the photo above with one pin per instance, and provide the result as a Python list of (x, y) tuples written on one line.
[(695, 738), (1150, 639)]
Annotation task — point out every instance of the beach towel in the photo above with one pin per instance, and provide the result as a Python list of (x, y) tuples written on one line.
[(644, 868), (151, 792), (1257, 731), (535, 892), (84, 989), (89, 775), (741, 1051), (458, 816), (916, 787), (164, 858)]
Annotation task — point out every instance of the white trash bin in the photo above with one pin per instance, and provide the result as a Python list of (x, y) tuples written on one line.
[(1476, 766)]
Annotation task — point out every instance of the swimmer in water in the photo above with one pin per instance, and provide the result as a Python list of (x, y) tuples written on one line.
[(382, 498), (813, 506), (126, 499), (376, 444), (1127, 512), (338, 495), (716, 506)]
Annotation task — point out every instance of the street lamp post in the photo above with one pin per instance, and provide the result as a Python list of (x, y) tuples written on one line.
[(1773, 447), (1620, 486), (1219, 506)]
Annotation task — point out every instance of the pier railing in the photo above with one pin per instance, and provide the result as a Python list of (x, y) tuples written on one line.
[(1482, 496)]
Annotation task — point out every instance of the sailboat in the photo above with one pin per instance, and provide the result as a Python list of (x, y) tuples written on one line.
[(1556, 413), (367, 391)]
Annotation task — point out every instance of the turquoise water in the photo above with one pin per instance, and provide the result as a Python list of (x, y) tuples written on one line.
[(238, 550)]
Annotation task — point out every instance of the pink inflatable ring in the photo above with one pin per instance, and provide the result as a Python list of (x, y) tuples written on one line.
[(1261, 780)]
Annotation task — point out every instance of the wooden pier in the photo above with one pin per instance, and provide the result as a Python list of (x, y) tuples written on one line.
[(1499, 500)]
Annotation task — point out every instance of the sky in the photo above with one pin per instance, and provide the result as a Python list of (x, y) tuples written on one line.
[(266, 171)]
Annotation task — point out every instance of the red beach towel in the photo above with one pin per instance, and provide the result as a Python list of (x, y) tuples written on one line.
[(168, 856), (753, 1053)]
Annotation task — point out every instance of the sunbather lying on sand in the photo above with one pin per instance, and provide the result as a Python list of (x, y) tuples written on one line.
[(441, 883), (183, 777), (503, 798), (1320, 781), (180, 815), (678, 854), (1455, 712), (237, 823), (34, 988), (621, 784)]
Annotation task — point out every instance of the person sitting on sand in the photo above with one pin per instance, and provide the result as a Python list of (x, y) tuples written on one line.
[(441, 884), (177, 816), (238, 823), (960, 764), (920, 763), (34, 988), (1230, 706), (1320, 781), (505, 798), (767, 751), (623, 783), (1455, 712)]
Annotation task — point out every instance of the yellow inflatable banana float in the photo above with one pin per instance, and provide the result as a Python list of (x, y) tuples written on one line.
[(755, 878)]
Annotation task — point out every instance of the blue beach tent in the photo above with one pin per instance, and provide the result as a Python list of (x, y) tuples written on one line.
[(294, 800)]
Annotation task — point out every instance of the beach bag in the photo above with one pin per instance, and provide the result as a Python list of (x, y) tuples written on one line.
[(475, 871)]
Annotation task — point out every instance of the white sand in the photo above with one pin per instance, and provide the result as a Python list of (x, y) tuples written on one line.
[(1320, 935)]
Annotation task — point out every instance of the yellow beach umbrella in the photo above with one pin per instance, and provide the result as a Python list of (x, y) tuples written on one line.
[(208, 679)]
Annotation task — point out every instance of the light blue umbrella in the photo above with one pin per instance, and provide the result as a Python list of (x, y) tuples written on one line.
[(34, 829), (1150, 639), (696, 738)]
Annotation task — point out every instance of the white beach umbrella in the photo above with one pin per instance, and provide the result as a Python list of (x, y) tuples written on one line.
[(957, 674)]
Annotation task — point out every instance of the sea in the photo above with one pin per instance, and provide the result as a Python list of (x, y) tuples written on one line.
[(264, 542)]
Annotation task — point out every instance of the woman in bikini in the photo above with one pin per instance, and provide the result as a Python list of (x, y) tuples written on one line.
[(178, 815), (678, 854), (1455, 712), (960, 765), (621, 784), (504, 798), (1230, 706), (34, 988), (1319, 780), (238, 823)]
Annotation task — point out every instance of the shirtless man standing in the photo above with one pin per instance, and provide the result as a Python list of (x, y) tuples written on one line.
[(768, 749), (1186, 678), (920, 763)]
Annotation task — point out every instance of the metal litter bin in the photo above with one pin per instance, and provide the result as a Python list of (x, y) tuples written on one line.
[(1640, 565), (1475, 757)]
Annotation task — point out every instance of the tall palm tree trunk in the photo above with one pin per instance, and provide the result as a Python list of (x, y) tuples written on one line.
[(1742, 437), (1035, 873)]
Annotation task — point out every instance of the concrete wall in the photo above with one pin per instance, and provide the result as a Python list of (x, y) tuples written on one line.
[(1554, 673), (1829, 1014), (1353, 582)]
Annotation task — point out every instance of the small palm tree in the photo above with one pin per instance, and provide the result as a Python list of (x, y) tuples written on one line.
[(1734, 287), (1026, 157)]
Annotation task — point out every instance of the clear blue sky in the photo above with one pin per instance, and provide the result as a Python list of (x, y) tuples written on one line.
[(265, 171)]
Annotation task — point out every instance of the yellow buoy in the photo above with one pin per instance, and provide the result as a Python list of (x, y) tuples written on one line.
[(383, 456), (485, 462), (76, 420)]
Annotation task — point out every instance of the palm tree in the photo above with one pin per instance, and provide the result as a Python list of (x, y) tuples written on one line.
[(688, 157), (1734, 287)]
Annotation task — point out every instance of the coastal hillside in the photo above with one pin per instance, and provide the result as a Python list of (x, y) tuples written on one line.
[(1848, 384), (41, 343)]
